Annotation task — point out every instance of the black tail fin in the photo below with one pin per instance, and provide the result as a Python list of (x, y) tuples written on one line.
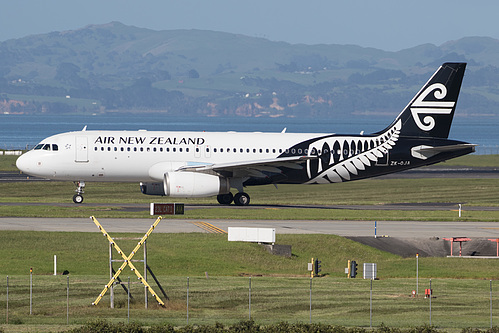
[(430, 112)]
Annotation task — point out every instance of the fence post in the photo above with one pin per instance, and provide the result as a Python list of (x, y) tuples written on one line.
[(7, 299), (250, 298), (371, 305), (187, 300), (431, 292), (310, 300), (490, 303), (128, 315), (67, 300), (31, 291)]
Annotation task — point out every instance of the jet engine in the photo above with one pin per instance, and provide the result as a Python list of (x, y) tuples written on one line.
[(194, 184)]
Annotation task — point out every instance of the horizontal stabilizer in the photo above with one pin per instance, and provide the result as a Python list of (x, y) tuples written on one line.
[(425, 152)]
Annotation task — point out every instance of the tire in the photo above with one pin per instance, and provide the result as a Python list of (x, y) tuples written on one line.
[(225, 199), (77, 198), (242, 199)]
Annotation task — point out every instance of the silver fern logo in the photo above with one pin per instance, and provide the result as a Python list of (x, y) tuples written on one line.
[(422, 107), (342, 157)]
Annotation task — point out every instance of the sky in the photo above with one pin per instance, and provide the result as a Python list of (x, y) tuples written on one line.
[(390, 25)]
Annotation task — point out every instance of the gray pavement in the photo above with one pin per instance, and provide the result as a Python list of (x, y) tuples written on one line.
[(400, 229)]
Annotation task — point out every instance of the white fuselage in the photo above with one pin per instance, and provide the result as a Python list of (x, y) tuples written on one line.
[(141, 156)]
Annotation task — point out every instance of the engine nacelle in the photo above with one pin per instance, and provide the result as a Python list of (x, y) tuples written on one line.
[(194, 185), (152, 188)]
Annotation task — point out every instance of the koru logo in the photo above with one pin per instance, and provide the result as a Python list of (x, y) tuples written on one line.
[(420, 106)]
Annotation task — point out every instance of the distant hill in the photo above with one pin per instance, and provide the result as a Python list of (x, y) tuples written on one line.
[(118, 68)]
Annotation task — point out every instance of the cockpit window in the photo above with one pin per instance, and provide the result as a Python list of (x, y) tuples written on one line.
[(46, 146)]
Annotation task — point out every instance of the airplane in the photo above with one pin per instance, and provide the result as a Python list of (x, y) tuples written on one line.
[(204, 164)]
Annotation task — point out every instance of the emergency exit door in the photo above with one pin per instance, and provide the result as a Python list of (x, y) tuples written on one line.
[(81, 149)]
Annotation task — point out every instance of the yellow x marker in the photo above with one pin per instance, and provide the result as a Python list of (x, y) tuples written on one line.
[(127, 261)]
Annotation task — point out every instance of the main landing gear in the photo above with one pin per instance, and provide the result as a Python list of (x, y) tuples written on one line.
[(78, 197), (240, 199)]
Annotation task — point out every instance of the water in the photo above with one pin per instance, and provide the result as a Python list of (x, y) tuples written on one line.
[(21, 131)]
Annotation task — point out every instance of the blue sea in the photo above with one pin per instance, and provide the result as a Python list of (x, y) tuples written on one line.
[(25, 131)]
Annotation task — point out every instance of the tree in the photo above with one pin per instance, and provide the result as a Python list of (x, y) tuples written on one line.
[(193, 74)]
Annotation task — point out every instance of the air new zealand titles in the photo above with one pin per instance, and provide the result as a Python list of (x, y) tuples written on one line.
[(154, 140)]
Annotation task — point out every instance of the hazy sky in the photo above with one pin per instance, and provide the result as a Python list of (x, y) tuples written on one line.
[(389, 25)]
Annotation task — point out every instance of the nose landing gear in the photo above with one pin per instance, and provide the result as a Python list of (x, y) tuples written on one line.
[(78, 197)]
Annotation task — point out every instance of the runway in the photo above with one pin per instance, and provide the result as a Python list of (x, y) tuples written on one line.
[(399, 229)]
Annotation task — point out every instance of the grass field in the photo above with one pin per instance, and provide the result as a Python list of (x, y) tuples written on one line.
[(339, 301), (267, 201), (219, 275)]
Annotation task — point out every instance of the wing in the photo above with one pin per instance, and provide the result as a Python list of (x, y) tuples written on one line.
[(253, 168)]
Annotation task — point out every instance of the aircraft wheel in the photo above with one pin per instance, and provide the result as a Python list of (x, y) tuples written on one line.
[(225, 199), (77, 198), (242, 199)]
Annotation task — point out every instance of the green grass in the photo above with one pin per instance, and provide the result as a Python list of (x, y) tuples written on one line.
[(280, 286), (193, 254), (369, 192), (8, 163), (267, 202)]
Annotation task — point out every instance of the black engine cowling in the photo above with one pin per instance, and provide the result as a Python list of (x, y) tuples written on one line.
[(152, 188)]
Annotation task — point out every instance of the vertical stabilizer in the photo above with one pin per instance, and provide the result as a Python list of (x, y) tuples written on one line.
[(430, 112)]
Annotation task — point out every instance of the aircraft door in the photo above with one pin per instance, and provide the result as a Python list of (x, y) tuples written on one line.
[(81, 149)]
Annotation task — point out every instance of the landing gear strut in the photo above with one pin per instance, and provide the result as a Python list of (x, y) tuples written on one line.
[(78, 197)]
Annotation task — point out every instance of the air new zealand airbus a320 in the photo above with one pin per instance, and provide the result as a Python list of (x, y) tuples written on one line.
[(202, 164)]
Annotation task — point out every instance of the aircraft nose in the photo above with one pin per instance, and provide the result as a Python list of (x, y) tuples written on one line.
[(24, 163)]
